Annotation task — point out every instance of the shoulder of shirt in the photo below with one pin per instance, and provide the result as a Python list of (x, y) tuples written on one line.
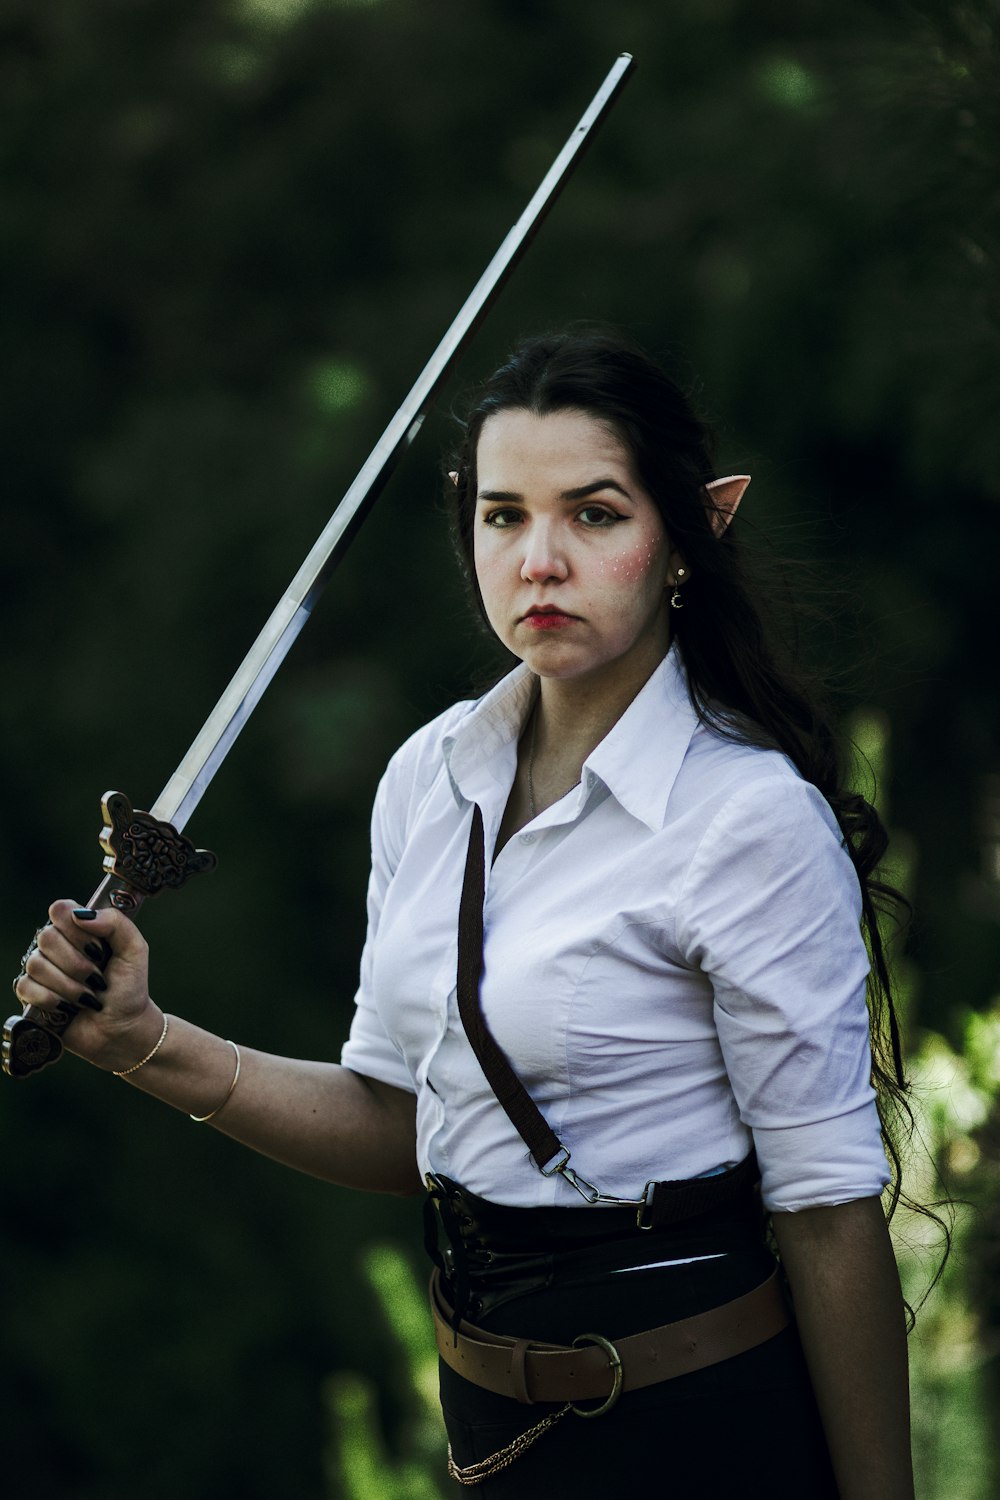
[(409, 778), (420, 758), (711, 751), (738, 800), (733, 779)]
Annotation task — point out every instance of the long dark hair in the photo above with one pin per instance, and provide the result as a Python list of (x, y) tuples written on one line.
[(742, 682)]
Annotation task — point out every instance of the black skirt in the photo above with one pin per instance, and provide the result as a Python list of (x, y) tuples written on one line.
[(746, 1427)]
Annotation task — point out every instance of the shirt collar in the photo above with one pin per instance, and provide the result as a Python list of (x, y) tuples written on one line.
[(481, 751), (637, 761)]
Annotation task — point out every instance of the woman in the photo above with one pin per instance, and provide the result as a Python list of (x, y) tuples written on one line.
[(670, 955)]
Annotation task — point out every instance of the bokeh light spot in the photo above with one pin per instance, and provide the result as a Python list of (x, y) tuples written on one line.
[(337, 385), (784, 81)]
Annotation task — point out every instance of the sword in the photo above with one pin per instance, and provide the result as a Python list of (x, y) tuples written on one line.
[(146, 852)]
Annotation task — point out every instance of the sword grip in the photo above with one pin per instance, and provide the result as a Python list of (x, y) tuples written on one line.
[(143, 856)]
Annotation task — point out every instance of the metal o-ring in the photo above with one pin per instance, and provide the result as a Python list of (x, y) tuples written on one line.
[(616, 1370)]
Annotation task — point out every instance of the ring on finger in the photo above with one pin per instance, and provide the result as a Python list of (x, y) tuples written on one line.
[(33, 945)]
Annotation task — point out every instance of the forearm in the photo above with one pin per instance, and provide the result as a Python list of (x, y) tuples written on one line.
[(317, 1117), (849, 1310), (314, 1116)]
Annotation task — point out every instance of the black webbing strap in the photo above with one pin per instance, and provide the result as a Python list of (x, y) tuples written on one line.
[(673, 1202), (521, 1109), (668, 1202)]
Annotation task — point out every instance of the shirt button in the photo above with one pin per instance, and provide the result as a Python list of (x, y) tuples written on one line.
[(528, 838)]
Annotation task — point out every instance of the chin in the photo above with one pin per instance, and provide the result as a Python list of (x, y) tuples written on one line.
[(562, 669)]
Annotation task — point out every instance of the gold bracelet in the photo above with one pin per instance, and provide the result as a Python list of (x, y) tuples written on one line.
[(200, 1119), (124, 1072)]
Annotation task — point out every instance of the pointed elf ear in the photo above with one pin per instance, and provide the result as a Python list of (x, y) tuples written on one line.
[(453, 476), (724, 496)]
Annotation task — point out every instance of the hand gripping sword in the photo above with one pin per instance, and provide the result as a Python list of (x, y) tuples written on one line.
[(147, 852)]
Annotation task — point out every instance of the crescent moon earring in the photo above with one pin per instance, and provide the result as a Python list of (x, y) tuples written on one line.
[(676, 602)]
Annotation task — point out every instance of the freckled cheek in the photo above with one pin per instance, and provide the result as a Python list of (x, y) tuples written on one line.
[(637, 566)]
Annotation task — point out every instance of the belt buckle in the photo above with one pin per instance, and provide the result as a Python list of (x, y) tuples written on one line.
[(615, 1360)]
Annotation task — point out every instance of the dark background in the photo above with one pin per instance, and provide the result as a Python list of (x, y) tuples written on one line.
[(230, 236)]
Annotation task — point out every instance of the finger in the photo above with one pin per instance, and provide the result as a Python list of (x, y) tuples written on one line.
[(32, 945), (20, 979), (30, 992), (82, 925), (57, 985), (77, 965), (99, 952)]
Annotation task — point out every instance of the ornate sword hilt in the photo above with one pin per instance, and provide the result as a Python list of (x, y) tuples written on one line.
[(142, 857)]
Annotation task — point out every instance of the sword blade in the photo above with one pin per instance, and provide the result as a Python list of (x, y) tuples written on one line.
[(187, 785)]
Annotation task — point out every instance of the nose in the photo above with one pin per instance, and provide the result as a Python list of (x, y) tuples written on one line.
[(544, 555)]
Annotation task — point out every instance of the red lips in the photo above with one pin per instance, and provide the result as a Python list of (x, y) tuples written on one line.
[(547, 617)]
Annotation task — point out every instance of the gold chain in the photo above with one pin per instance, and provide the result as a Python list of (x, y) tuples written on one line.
[(499, 1460)]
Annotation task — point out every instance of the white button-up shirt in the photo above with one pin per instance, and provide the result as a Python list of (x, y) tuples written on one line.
[(672, 960)]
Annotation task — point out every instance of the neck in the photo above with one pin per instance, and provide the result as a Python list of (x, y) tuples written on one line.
[(573, 717)]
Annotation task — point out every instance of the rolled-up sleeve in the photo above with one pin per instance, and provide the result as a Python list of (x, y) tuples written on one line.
[(369, 1049), (770, 911)]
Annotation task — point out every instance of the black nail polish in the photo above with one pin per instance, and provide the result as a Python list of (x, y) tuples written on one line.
[(97, 982), (67, 1009), (95, 953), (90, 1001), (84, 914)]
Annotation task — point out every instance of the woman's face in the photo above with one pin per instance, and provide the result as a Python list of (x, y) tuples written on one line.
[(571, 555)]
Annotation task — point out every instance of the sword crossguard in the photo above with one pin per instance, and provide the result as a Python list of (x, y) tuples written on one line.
[(142, 856), (145, 855)]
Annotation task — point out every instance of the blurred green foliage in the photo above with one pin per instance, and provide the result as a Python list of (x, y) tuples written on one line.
[(953, 1347), (358, 1466), (232, 232)]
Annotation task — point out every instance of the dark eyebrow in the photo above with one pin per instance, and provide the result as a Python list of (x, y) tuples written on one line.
[(592, 489), (577, 494)]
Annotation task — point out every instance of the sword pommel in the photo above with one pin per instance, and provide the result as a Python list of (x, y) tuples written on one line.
[(142, 856)]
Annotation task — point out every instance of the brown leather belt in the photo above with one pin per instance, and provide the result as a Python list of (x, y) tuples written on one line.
[(528, 1370)]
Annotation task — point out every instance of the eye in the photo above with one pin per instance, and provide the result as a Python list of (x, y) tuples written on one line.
[(502, 519), (599, 516)]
